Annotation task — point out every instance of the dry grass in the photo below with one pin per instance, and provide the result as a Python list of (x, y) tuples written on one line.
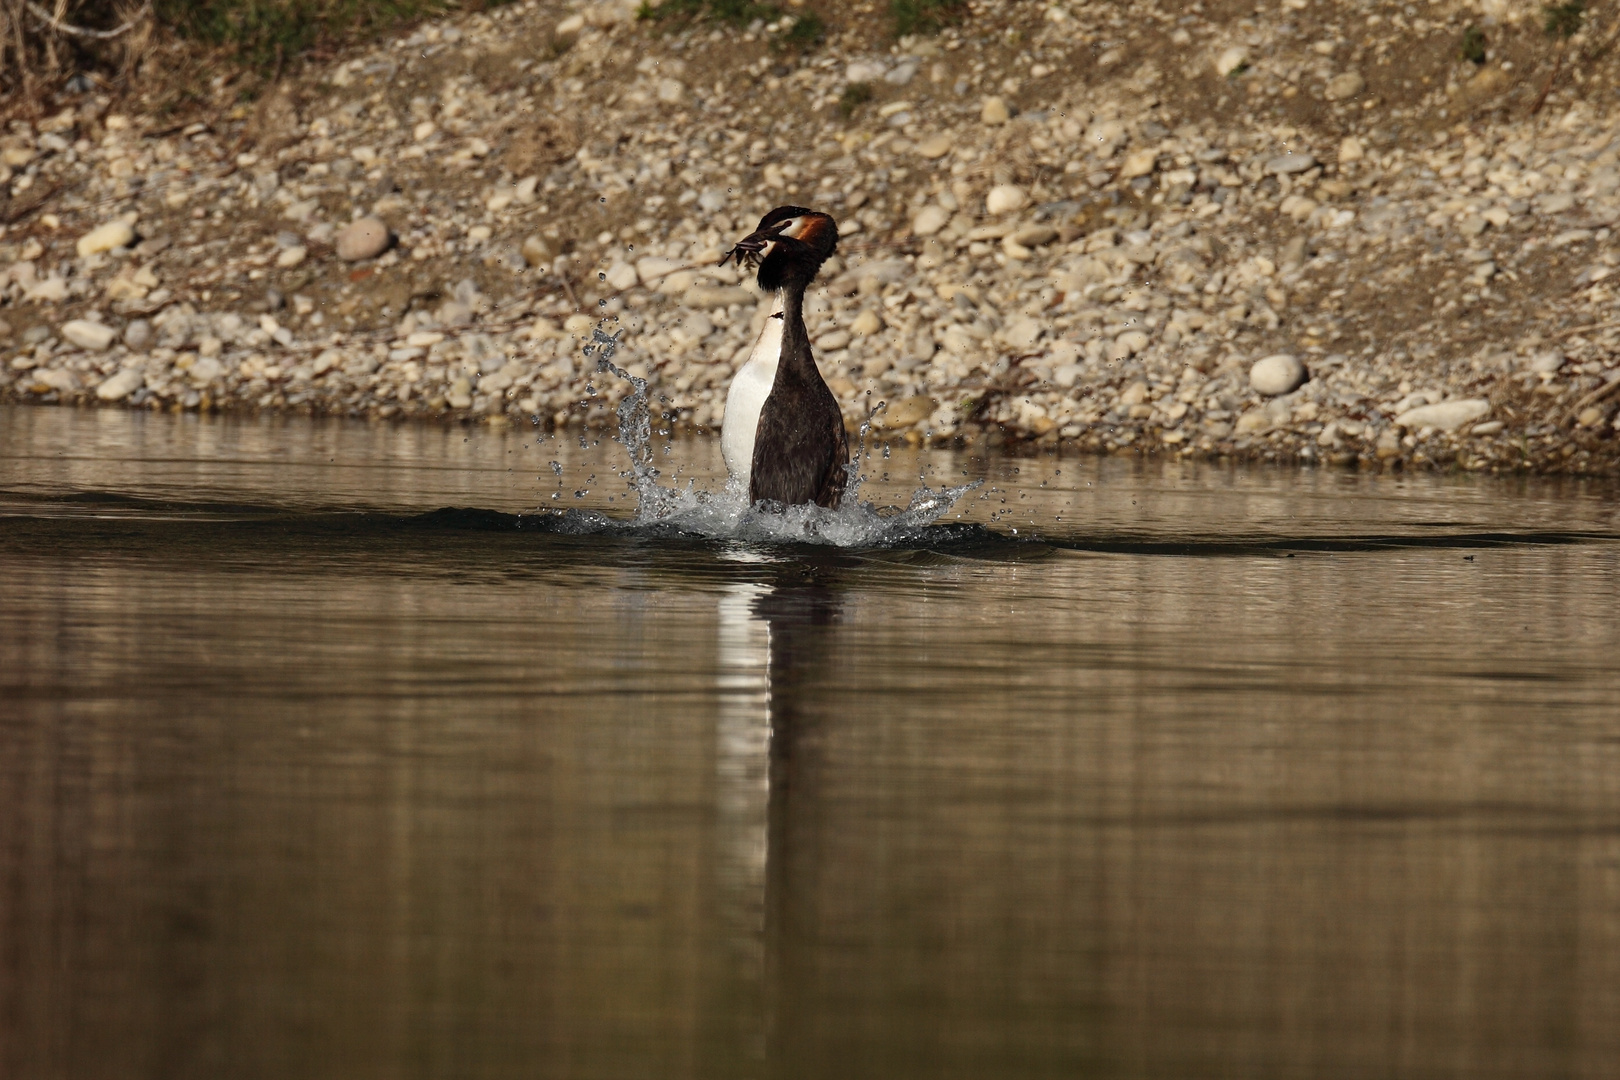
[(45, 43)]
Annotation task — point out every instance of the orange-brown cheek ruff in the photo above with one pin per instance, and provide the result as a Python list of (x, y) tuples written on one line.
[(811, 230)]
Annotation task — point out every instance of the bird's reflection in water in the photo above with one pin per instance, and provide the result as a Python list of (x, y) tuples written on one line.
[(776, 645)]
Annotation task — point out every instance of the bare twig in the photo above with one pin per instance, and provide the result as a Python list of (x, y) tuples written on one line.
[(1558, 64), (1593, 398), (11, 216), (54, 21), (1586, 329)]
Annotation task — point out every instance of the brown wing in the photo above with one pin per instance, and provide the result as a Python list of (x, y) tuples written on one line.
[(837, 474)]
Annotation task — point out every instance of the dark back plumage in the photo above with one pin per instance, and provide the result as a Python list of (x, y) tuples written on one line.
[(800, 448)]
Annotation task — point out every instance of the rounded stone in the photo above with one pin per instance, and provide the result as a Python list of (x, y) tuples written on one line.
[(1446, 416), (1005, 198), (138, 334), (905, 413), (89, 335), (1277, 374), (994, 111), (1138, 163), (536, 252), (929, 220), (1347, 85), (120, 385), (1128, 344), (114, 234), (363, 239), (1230, 60), (863, 71), (1546, 363)]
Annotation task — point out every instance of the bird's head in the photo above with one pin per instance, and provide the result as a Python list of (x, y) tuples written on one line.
[(791, 243)]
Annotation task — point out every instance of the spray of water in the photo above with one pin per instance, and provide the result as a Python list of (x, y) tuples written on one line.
[(727, 514)]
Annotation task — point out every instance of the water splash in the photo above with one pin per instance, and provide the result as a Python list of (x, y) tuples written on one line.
[(727, 514)]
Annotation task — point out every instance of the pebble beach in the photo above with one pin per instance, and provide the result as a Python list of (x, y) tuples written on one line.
[(1313, 231)]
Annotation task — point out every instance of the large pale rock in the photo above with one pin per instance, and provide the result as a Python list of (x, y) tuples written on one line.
[(905, 413), (1254, 422), (863, 71), (621, 276), (929, 220), (1127, 345), (1547, 362), (1277, 374), (1287, 164), (1445, 416), (1005, 198), (994, 112), (138, 334), (1138, 163), (665, 275), (1298, 207), (1034, 235), (363, 239), (1230, 59), (536, 251), (114, 234), (122, 384), (1022, 332), (1351, 150), (1345, 86), (935, 146), (89, 335), (708, 297), (205, 371)]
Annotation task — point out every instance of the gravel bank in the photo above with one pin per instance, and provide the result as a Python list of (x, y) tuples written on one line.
[(1319, 236)]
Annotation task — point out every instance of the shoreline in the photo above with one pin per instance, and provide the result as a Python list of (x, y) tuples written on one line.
[(1137, 251), (1292, 450)]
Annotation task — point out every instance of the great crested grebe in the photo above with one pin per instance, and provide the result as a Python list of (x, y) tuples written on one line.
[(783, 433)]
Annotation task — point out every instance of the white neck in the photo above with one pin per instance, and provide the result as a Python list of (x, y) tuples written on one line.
[(749, 389)]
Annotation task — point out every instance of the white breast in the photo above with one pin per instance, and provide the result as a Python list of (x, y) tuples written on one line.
[(749, 389)]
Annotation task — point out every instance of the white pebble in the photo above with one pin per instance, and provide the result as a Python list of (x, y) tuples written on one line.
[(362, 239), (1444, 416), (120, 385), (1279, 373), (114, 234), (89, 335), (1005, 198)]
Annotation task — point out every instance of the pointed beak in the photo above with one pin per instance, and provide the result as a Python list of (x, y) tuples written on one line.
[(752, 248)]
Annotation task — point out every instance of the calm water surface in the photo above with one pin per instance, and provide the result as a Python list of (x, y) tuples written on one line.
[(1207, 772)]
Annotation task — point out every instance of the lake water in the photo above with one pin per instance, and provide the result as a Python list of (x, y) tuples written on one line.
[(1208, 771)]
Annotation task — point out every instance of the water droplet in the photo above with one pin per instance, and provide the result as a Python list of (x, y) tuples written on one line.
[(600, 276)]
